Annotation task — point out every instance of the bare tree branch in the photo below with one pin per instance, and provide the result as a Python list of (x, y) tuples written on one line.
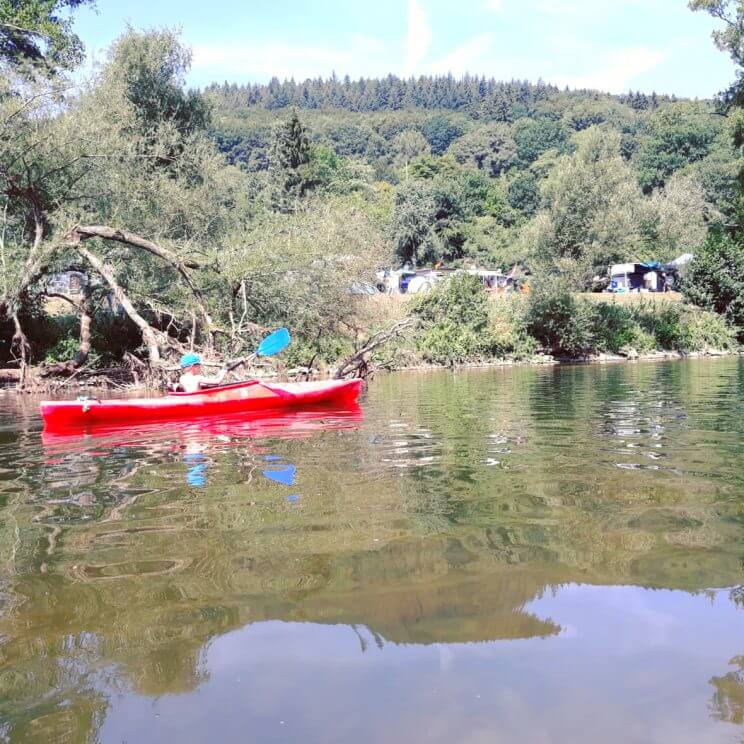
[(358, 363)]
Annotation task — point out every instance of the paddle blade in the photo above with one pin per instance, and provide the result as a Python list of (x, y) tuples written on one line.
[(274, 343)]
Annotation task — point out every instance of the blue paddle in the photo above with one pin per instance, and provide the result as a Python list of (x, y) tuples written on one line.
[(274, 343), (270, 346)]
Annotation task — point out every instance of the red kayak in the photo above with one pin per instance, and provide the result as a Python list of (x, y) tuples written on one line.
[(253, 395)]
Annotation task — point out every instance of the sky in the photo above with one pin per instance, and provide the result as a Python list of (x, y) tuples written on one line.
[(611, 45)]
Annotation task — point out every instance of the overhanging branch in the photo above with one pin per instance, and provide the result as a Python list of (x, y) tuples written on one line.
[(80, 233)]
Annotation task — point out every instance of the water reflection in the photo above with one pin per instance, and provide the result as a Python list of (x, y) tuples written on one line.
[(469, 558)]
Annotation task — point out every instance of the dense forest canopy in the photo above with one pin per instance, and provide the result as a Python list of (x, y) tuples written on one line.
[(479, 96), (498, 173), (211, 215)]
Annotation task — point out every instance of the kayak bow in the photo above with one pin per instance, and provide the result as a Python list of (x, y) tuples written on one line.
[(253, 395)]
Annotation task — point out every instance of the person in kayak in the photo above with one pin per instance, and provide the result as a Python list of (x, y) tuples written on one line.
[(192, 380)]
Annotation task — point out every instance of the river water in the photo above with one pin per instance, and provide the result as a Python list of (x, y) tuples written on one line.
[(521, 555)]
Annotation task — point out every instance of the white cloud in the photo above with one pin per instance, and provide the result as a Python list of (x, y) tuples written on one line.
[(616, 71), (572, 59), (418, 38), (468, 57), (358, 56)]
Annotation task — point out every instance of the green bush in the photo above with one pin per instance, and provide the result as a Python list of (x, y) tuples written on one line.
[(508, 328), (702, 330), (559, 321), (663, 323), (63, 351), (715, 279), (448, 343), (462, 324), (455, 315), (460, 300), (614, 328), (648, 326), (326, 349)]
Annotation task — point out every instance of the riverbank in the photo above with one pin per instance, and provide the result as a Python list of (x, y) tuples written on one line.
[(456, 325), (550, 361), (39, 385)]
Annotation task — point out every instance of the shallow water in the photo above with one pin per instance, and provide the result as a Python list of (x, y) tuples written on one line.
[(537, 555)]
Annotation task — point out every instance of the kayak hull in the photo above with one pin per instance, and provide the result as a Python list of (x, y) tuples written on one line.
[(227, 399)]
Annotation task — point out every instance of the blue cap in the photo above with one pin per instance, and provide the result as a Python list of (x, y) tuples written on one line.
[(189, 360)]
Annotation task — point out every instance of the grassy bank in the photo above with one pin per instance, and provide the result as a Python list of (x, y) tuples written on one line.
[(460, 324)]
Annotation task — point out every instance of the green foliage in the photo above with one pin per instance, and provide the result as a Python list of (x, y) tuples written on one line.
[(440, 132), (63, 351), (594, 111), (428, 166), (729, 39), (715, 278), (524, 193), (411, 223), (151, 68), (535, 136), (44, 332), (250, 150), (448, 343), (678, 137), (508, 327), (276, 217), (461, 323), (490, 148), (558, 321), (408, 145), (480, 97), (39, 33), (460, 300), (456, 321), (290, 155), (316, 351), (646, 326), (615, 328), (593, 214), (353, 140), (702, 331)]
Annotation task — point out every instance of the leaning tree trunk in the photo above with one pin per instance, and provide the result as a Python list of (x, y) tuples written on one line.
[(84, 232), (358, 364), (150, 336), (85, 310), (24, 348)]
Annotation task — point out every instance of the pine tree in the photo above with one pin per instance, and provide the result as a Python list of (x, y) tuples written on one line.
[(290, 153)]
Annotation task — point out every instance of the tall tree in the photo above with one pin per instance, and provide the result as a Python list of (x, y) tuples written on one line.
[(490, 148), (716, 276), (593, 210), (39, 33), (729, 39), (412, 221), (289, 158)]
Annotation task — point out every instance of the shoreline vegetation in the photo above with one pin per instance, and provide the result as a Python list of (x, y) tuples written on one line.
[(140, 220), (459, 326), (120, 379)]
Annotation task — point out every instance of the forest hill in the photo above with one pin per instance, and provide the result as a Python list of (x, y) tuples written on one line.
[(479, 97)]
